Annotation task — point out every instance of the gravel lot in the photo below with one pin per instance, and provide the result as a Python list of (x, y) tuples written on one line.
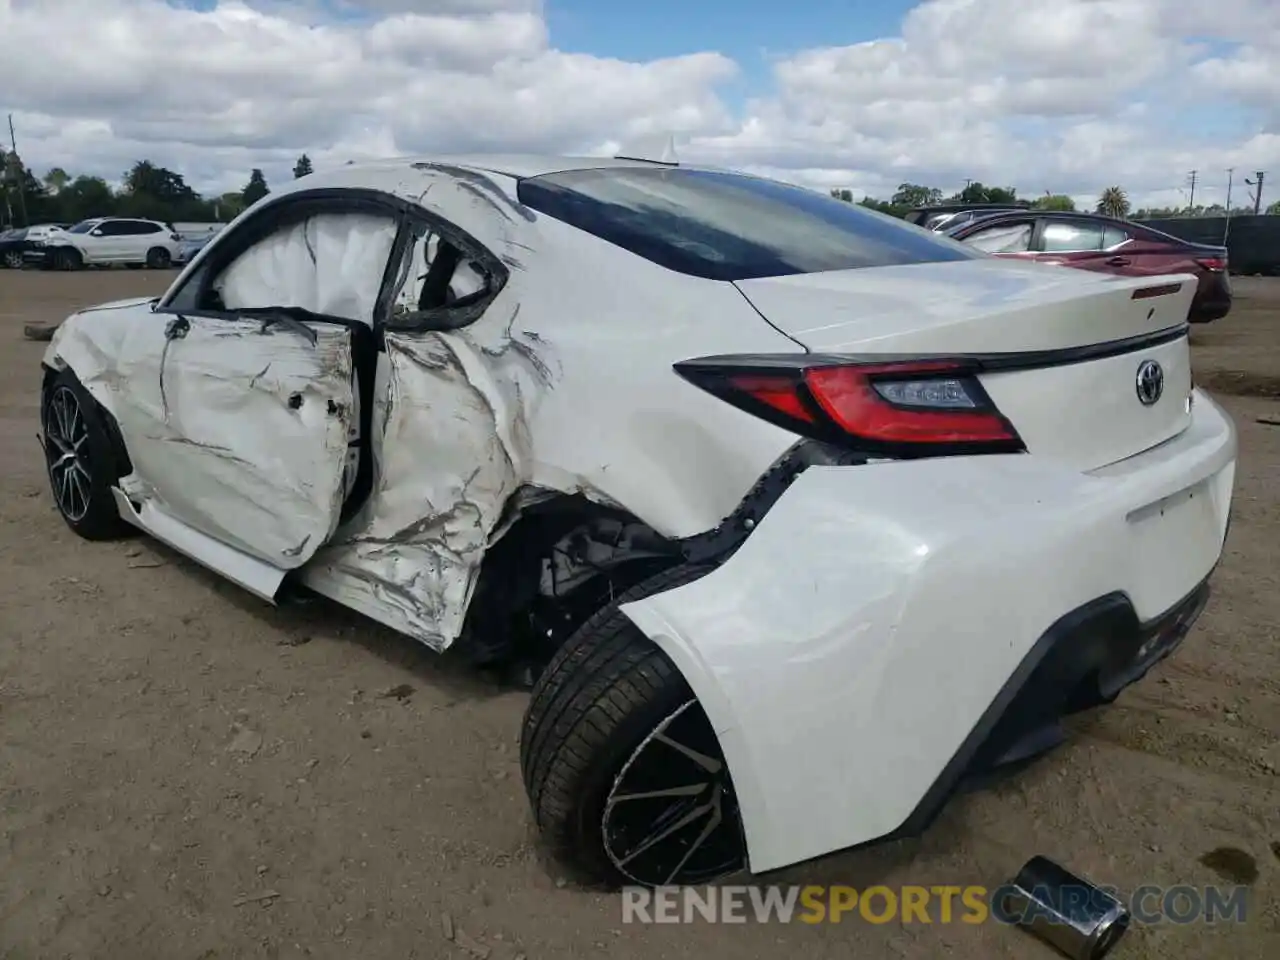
[(171, 748)]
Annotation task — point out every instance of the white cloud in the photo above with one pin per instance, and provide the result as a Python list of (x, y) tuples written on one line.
[(1061, 95)]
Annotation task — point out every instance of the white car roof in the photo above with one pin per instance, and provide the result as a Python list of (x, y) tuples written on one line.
[(517, 165)]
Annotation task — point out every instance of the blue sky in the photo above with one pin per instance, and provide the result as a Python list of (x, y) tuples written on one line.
[(748, 31)]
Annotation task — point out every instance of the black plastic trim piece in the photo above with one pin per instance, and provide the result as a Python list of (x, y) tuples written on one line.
[(719, 543)]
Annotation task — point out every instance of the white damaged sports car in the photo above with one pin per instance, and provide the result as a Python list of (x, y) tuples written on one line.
[(809, 514)]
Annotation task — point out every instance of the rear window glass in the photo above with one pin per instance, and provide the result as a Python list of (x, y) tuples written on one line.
[(725, 226)]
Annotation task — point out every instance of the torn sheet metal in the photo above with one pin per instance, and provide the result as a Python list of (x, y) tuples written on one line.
[(274, 491), (330, 264), (453, 448)]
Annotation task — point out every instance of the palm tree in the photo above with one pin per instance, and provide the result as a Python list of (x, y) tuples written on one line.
[(1113, 203)]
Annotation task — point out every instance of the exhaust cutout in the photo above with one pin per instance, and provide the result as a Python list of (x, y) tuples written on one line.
[(1078, 918)]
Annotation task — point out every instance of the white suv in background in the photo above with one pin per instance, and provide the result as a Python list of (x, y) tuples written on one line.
[(108, 240)]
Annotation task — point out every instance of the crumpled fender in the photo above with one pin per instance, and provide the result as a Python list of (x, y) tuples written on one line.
[(847, 649)]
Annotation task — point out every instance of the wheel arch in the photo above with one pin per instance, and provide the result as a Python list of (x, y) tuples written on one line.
[(537, 521), (54, 365), (686, 658)]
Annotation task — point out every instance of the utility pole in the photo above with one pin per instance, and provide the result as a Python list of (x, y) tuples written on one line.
[(19, 170), (1257, 192), (1226, 227), (1192, 202)]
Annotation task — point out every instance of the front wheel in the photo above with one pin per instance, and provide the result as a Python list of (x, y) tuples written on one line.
[(12, 259), (80, 460), (158, 258), (622, 767)]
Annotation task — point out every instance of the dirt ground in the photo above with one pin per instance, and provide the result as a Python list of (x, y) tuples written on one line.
[(172, 749)]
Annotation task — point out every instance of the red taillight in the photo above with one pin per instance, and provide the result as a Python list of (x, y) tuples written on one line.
[(899, 408), (1213, 264), (776, 392)]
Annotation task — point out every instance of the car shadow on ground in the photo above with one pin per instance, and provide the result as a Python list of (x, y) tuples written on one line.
[(303, 617)]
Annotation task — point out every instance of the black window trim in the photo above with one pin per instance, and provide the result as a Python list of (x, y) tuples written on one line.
[(410, 218)]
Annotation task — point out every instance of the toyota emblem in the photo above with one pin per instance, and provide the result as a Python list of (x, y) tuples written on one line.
[(1150, 382)]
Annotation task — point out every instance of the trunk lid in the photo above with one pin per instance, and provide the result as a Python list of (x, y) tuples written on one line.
[(1073, 396)]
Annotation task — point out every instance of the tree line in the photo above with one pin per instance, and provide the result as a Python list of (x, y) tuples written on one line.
[(1113, 201), (147, 191), (154, 192)]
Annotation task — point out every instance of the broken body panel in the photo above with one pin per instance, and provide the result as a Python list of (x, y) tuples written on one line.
[(465, 424)]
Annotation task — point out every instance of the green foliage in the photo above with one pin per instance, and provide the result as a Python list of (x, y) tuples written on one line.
[(255, 189), (880, 206), (302, 167), (976, 192), (909, 195), (1055, 201), (55, 180)]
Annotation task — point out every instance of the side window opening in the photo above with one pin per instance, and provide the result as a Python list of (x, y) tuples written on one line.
[(326, 263), (437, 276)]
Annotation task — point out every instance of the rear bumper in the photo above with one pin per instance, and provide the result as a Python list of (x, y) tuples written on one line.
[(888, 628)]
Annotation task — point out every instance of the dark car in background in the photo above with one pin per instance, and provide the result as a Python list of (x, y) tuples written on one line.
[(16, 244), (948, 216), (1094, 242)]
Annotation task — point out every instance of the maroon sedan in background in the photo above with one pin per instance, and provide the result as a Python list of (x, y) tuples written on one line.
[(1092, 242)]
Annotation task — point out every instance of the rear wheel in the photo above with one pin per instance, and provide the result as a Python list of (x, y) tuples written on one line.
[(622, 767), (80, 460), (158, 258)]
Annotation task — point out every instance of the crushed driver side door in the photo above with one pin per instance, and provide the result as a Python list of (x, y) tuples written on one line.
[(259, 415), (255, 414)]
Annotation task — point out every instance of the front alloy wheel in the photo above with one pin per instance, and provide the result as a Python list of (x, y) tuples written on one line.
[(66, 447), (80, 459)]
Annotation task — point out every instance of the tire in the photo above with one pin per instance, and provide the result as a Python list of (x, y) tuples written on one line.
[(12, 259), (66, 258), (73, 426), (158, 258), (591, 734)]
